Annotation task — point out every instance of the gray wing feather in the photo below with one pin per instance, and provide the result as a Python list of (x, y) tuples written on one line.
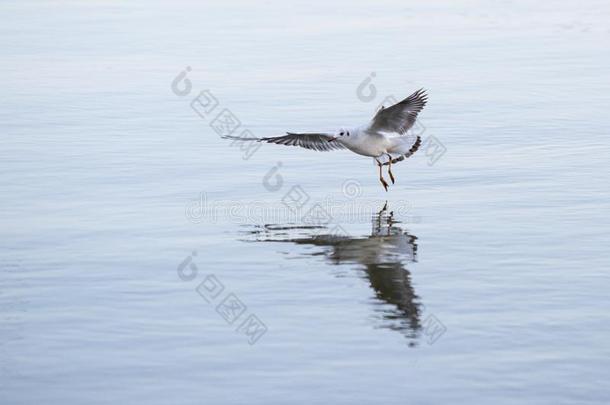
[(315, 141), (401, 116)]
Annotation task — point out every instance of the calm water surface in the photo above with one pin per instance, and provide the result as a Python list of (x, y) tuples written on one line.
[(144, 260)]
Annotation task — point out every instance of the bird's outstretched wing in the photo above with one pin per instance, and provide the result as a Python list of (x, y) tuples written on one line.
[(401, 116), (314, 141)]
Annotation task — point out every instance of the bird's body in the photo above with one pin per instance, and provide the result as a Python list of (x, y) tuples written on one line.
[(382, 138), (365, 143)]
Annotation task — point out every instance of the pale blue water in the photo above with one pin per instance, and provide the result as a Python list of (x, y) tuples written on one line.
[(488, 282)]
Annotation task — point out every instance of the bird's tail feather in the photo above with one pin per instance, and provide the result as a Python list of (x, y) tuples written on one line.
[(406, 154)]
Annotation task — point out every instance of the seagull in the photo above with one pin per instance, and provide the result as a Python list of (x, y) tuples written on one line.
[(384, 257), (382, 138)]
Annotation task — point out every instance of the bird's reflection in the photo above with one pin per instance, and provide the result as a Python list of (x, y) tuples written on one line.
[(382, 256)]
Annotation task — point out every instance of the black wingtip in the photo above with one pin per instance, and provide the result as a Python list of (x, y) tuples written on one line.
[(420, 95)]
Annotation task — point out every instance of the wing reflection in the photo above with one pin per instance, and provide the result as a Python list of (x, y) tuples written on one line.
[(382, 257)]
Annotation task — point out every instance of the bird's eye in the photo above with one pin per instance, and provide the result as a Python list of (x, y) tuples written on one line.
[(347, 133), (340, 133)]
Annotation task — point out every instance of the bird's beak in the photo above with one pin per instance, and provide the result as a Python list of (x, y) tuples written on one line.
[(332, 139)]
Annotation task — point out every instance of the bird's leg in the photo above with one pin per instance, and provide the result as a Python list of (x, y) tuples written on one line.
[(390, 222), (377, 219), (390, 168), (385, 207), (383, 182)]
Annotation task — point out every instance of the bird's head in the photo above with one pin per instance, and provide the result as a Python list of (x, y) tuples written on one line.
[(340, 133)]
